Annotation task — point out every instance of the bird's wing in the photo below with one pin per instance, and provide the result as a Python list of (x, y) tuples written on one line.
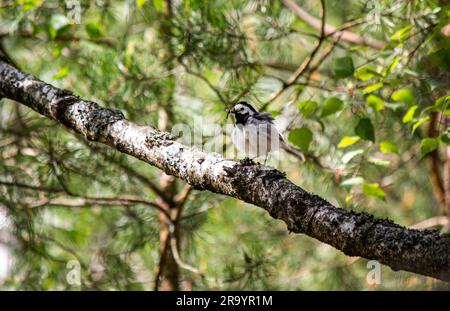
[(263, 116), (260, 118)]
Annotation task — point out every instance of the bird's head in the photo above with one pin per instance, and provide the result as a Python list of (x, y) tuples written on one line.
[(242, 110)]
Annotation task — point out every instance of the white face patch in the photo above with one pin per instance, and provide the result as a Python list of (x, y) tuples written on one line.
[(242, 109)]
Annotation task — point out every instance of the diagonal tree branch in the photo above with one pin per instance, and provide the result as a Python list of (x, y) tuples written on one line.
[(304, 66), (356, 234), (330, 30)]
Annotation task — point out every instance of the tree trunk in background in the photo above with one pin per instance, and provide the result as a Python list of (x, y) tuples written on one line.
[(436, 165), (169, 270), (447, 172)]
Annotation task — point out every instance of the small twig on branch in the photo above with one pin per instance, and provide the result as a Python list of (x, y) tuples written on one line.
[(176, 254), (80, 201)]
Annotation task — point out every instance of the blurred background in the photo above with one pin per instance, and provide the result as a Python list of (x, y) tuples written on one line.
[(369, 108)]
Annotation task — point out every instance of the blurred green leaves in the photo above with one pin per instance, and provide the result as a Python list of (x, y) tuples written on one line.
[(373, 190), (94, 30), (159, 4), (62, 73), (364, 129), (365, 73), (403, 95), (387, 146), (307, 107), (409, 115), (332, 105), (58, 25), (343, 67), (28, 5), (348, 183), (375, 102), (347, 157), (373, 87), (419, 123), (428, 145), (301, 137), (401, 34)]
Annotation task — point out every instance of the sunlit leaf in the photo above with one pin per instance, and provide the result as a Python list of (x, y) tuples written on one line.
[(403, 95), (419, 123), (28, 5), (140, 3), (62, 73), (301, 137), (401, 34), (366, 73), (442, 102), (373, 87), (348, 141), (387, 146), (409, 115), (158, 5), (348, 198), (373, 190), (375, 102), (391, 66)]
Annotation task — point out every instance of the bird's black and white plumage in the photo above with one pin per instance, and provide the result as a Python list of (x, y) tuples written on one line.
[(254, 133)]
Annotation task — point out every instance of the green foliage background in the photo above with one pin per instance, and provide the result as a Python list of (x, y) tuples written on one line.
[(361, 115)]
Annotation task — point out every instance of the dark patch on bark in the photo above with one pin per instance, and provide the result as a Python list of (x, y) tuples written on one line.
[(98, 119), (64, 101), (157, 138), (200, 161)]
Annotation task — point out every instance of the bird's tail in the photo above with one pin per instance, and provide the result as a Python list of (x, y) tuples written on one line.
[(293, 151)]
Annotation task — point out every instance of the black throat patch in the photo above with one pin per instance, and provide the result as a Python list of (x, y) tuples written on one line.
[(242, 118)]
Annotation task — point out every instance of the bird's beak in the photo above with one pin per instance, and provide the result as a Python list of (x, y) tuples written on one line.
[(230, 110)]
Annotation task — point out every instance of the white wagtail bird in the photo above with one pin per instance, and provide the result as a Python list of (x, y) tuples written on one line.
[(255, 135)]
